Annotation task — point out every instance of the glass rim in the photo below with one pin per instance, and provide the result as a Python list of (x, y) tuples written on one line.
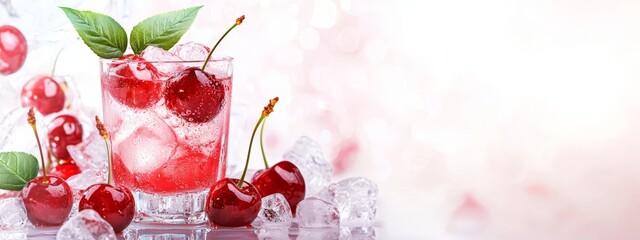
[(212, 59)]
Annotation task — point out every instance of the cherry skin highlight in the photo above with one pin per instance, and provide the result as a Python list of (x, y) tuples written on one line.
[(228, 205), (47, 203), (65, 170), (13, 49), (115, 204), (64, 130), (284, 178), (134, 82), (195, 95), (44, 93)]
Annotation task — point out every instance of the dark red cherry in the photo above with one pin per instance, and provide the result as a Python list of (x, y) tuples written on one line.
[(65, 169), (194, 95), (44, 93), (47, 204), (64, 130), (13, 49), (284, 178), (115, 204), (228, 205), (134, 82)]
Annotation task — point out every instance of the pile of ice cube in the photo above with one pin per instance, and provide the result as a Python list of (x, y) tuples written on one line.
[(182, 52), (348, 205)]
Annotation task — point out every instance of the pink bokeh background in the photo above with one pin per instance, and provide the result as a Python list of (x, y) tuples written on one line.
[(478, 119)]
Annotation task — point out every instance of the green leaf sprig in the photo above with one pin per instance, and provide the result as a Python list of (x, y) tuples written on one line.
[(108, 39), (17, 169)]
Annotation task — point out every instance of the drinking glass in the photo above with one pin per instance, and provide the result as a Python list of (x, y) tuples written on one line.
[(165, 149)]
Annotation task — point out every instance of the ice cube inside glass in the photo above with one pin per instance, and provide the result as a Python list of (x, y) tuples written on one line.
[(169, 138)]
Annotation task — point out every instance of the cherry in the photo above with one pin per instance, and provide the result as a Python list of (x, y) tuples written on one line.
[(64, 130), (115, 204), (234, 202), (233, 206), (47, 199), (65, 170), (195, 95), (44, 93), (13, 49), (284, 178), (134, 82)]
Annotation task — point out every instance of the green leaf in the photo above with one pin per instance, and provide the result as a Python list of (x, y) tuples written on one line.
[(104, 36), (163, 30), (16, 169)]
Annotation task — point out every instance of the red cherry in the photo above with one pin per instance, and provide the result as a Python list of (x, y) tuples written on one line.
[(65, 170), (47, 204), (115, 204), (44, 93), (228, 205), (64, 130), (13, 49), (194, 95), (134, 82), (284, 178)]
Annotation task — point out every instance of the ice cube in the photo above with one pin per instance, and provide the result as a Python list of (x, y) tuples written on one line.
[(158, 57), (307, 155), (190, 51), (12, 214), (356, 200), (91, 153), (17, 135), (86, 225), (275, 210), (86, 178), (317, 213), (148, 146)]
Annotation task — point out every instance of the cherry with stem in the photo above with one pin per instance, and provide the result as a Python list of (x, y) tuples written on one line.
[(233, 202), (115, 204), (47, 199), (284, 178), (195, 95)]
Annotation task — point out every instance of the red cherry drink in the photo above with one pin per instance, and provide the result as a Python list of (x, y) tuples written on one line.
[(168, 132)]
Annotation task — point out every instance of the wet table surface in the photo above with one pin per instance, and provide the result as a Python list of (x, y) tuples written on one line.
[(162, 232)]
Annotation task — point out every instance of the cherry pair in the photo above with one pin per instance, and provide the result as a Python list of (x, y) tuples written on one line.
[(191, 94), (233, 202), (48, 199)]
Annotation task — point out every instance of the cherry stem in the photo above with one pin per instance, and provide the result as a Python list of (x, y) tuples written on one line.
[(108, 161), (265, 113), (31, 118), (49, 161), (55, 62), (105, 136), (246, 165), (264, 156), (238, 22)]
